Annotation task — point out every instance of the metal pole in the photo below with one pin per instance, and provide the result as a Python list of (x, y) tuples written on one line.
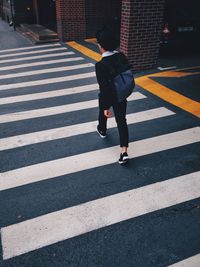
[(35, 3), (12, 13)]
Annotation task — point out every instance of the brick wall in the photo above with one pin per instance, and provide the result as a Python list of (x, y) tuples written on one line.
[(99, 12), (71, 22), (78, 19), (141, 24)]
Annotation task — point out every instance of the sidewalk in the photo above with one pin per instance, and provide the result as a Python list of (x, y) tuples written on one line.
[(10, 38)]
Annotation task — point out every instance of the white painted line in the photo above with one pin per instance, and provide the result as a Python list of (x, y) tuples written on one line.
[(89, 160), (34, 52), (36, 57), (47, 81), (48, 94), (44, 71), (41, 63), (29, 47), (73, 130), (43, 112), (190, 262), (61, 225), (167, 68)]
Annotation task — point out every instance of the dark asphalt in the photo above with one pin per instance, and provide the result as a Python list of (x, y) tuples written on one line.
[(156, 239), (187, 86)]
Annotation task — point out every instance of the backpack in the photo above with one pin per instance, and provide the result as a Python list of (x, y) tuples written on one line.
[(124, 84), (123, 81)]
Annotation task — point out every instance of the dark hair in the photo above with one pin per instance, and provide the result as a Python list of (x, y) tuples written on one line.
[(107, 38)]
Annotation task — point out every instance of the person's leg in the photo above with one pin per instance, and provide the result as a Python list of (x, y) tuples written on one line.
[(102, 121), (102, 126), (120, 117)]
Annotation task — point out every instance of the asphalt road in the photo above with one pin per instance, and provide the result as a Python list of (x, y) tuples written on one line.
[(64, 199)]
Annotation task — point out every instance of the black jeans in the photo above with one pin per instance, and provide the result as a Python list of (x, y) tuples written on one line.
[(120, 117)]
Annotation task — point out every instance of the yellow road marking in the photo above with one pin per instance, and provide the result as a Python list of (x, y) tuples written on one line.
[(169, 95), (170, 74), (86, 51), (189, 68), (175, 73), (195, 73), (91, 40), (154, 87)]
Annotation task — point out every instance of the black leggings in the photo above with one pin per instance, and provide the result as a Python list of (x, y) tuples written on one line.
[(120, 117)]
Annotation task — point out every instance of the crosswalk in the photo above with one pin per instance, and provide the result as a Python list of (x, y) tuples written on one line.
[(96, 214), (41, 63), (89, 160), (72, 130), (67, 82), (36, 57), (47, 81), (24, 115), (51, 70), (32, 52)]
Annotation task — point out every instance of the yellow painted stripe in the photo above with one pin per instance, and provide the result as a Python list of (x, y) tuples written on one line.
[(189, 68), (169, 95), (194, 73), (173, 74), (84, 50), (91, 40), (170, 74)]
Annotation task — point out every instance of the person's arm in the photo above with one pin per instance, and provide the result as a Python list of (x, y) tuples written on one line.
[(104, 85), (107, 113)]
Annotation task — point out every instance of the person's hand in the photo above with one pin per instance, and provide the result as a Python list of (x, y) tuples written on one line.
[(107, 113)]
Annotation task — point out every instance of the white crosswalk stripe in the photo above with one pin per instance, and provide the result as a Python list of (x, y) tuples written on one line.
[(89, 160), (190, 262), (43, 71), (64, 224), (29, 47), (43, 112), (83, 128), (47, 81), (40, 63), (34, 52), (48, 94), (36, 57), (59, 225)]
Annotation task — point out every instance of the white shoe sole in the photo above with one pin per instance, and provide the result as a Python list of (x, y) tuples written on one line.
[(102, 136), (124, 161)]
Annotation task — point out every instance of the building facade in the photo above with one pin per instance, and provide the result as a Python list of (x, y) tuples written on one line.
[(138, 23)]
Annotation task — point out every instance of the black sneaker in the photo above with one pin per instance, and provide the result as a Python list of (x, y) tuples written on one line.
[(123, 158), (101, 133)]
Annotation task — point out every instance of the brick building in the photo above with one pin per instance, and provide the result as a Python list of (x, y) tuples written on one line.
[(141, 24), (138, 22)]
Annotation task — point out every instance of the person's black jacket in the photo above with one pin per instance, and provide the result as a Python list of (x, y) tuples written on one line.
[(106, 70)]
